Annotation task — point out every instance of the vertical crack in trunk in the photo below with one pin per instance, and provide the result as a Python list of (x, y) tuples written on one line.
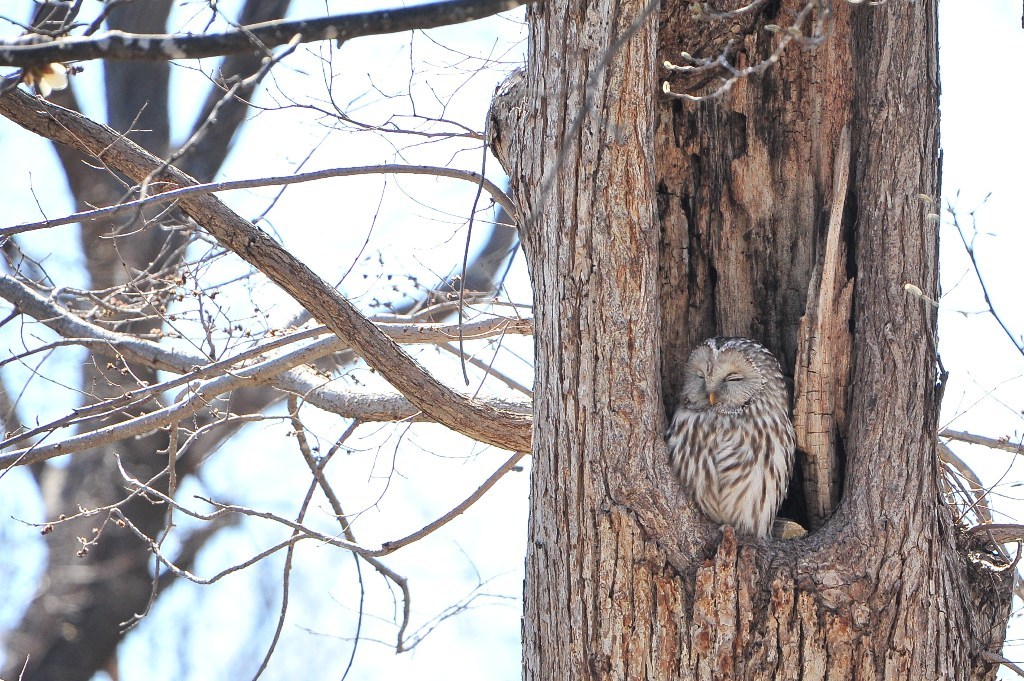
[(624, 580), (824, 350)]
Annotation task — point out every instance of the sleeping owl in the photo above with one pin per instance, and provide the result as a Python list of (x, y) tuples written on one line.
[(731, 440)]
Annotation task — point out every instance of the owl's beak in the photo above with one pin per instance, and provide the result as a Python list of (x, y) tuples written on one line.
[(711, 398)]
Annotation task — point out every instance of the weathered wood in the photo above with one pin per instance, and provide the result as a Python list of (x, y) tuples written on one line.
[(600, 599), (624, 580), (824, 349)]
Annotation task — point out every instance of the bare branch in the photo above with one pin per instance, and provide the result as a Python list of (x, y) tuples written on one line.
[(498, 427), (285, 370), (1003, 443), (996, 658), (490, 370), (1018, 341), (120, 345), (999, 533), (461, 508), (975, 495), (193, 543), (302, 531), (186, 574), (286, 578), (231, 112), (363, 406), (500, 197), (34, 50), (317, 469), (694, 65)]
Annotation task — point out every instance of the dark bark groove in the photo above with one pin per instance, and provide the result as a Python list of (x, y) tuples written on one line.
[(695, 219)]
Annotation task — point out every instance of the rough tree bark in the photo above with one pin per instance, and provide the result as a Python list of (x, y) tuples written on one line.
[(651, 224)]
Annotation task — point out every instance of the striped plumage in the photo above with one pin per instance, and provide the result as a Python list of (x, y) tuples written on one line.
[(731, 440)]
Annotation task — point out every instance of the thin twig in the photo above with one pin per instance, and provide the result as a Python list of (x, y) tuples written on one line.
[(1018, 343), (491, 371), (280, 369), (124, 521), (500, 197), (722, 60), (976, 494), (289, 555), (316, 467), (465, 254), (460, 509)]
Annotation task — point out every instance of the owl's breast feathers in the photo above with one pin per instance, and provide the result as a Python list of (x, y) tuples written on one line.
[(736, 463)]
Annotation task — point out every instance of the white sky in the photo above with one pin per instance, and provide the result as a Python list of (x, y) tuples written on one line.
[(982, 140)]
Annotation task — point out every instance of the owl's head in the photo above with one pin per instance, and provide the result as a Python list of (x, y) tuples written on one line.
[(723, 374)]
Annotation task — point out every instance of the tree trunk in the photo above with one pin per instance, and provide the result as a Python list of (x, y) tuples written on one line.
[(88, 597), (654, 223)]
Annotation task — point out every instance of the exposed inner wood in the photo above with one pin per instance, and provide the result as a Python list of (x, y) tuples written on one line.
[(624, 579), (824, 351)]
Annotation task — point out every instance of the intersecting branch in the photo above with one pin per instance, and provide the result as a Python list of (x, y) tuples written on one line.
[(205, 380), (498, 427), (37, 50)]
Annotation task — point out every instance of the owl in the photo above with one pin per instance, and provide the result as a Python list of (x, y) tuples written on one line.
[(731, 440)]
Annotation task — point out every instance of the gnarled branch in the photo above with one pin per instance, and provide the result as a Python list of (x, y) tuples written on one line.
[(498, 427)]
